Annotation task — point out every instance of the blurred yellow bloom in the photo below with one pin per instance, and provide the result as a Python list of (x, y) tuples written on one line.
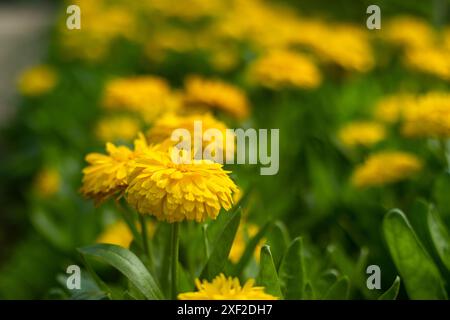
[(187, 10), (175, 192), (147, 95), (37, 80), (390, 108), (280, 69), (114, 128), (408, 31), (361, 133), (223, 288), (47, 182), (386, 167), (216, 94), (431, 60), (429, 116), (119, 233), (243, 235)]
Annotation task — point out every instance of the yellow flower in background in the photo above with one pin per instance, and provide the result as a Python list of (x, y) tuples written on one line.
[(175, 192), (408, 32), (279, 69), (216, 94), (37, 80), (149, 96), (386, 167), (187, 10), (429, 116), (390, 109), (431, 60), (115, 128), (243, 235), (119, 233), (223, 288), (106, 175), (47, 182), (361, 133)]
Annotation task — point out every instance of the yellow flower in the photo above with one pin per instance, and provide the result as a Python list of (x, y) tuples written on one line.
[(279, 69), (244, 233), (361, 133), (429, 116), (175, 192), (114, 128), (386, 167), (47, 182), (37, 80), (431, 60), (222, 288), (119, 233), (147, 95), (216, 94), (409, 32), (390, 109)]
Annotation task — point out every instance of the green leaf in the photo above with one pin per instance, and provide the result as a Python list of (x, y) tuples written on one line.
[(392, 292), (250, 249), (418, 271), (440, 237), (128, 264), (278, 240), (292, 271), (221, 247), (339, 290), (268, 277)]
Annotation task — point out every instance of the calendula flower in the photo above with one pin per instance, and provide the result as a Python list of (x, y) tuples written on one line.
[(361, 133), (243, 235), (37, 81), (429, 116), (386, 167), (280, 69), (147, 95), (408, 32), (216, 94), (223, 288), (390, 108), (179, 191), (114, 128), (119, 233), (47, 182), (431, 60)]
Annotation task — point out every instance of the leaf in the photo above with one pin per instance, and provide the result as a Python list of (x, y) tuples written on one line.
[(440, 237), (221, 247), (339, 290), (292, 271), (278, 240), (392, 292), (419, 273), (268, 277), (250, 249), (128, 264)]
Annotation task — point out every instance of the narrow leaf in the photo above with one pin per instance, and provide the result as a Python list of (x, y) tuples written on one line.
[(392, 292), (339, 290), (292, 271), (268, 277)]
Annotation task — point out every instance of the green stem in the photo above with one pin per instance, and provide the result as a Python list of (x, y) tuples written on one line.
[(174, 258), (144, 236)]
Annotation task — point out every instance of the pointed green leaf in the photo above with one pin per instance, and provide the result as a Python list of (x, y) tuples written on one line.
[(339, 290), (292, 271), (392, 292), (419, 273), (440, 237), (278, 239), (268, 277), (128, 264)]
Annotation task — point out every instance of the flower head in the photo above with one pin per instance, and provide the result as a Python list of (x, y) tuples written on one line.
[(280, 69), (431, 60), (175, 192), (361, 133), (244, 233), (390, 109), (119, 233), (386, 167), (114, 128), (409, 32), (47, 182), (208, 93), (223, 288), (37, 80)]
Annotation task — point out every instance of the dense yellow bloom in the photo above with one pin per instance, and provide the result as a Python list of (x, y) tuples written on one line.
[(47, 182), (114, 128), (409, 32), (179, 191), (386, 167), (187, 10), (37, 80), (119, 233), (280, 69), (243, 235), (361, 133), (431, 60), (223, 288), (429, 116), (216, 94), (390, 109), (148, 95)]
